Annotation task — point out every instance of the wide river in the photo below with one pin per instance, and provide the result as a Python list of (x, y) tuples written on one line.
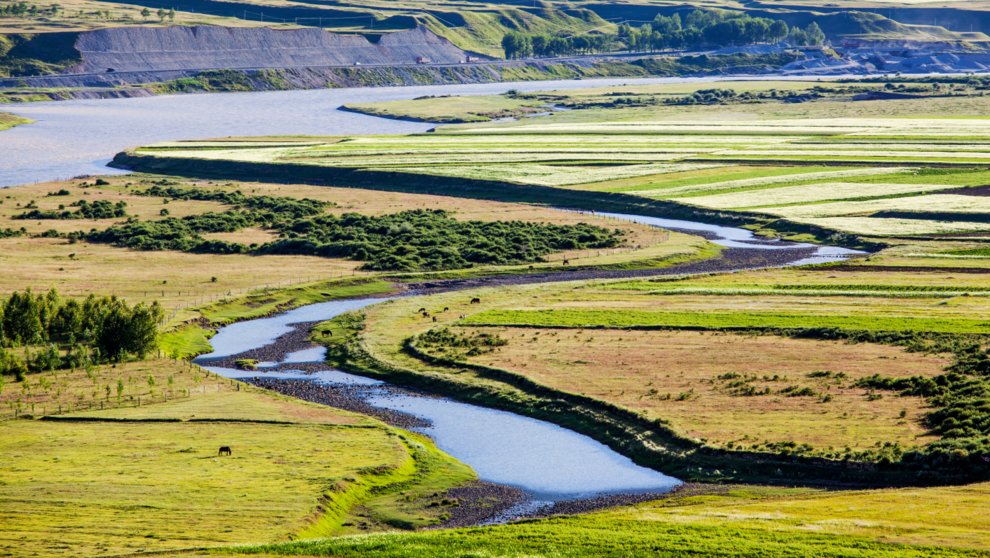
[(71, 138)]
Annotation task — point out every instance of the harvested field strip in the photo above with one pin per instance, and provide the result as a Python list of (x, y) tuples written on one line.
[(709, 320), (824, 291), (726, 388), (823, 192)]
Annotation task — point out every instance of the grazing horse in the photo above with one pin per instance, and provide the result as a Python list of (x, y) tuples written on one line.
[(327, 332), (224, 450), (445, 308), (475, 300), (426, 314)]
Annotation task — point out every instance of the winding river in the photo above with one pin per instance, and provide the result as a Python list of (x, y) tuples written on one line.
[(549, 463)]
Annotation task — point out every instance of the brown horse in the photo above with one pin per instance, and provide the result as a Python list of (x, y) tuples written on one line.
[(224, 450)]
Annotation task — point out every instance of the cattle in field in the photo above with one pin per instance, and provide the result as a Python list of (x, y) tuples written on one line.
[(475, 300)]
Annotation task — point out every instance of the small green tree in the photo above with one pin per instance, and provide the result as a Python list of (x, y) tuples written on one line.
[(145, 13)]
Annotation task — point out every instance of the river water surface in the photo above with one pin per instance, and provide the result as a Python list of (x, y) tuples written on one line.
[(549, 463)]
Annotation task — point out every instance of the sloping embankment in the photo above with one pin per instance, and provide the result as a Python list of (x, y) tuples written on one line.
[(140, 49)]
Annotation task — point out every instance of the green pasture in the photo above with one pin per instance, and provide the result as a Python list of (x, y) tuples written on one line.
[(627, 318)]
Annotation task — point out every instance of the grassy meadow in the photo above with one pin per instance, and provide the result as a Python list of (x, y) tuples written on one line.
[(42, 256), (728, 521), (870, 170), (790, 390), (8, 121), (137, 477)]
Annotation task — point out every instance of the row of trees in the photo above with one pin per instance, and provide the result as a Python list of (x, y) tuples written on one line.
[(61, 331), (523, 45), (698, 29), (22, 9)]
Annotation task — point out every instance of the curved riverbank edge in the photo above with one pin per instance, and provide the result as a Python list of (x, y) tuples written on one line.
[(648, 442), (583, 200), (8, 121)]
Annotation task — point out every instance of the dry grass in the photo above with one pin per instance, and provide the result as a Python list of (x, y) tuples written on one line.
[(650, 371), (180, 279)]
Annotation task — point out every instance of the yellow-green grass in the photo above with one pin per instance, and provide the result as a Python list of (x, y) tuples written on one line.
[(85, 15), (147, 478), (64, 391), (833, 173), (451, 108), (8, 120), (735, 521), (108, 488), (698, 380), (649, 370)]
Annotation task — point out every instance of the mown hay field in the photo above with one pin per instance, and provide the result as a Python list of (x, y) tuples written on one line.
[(873, 177)]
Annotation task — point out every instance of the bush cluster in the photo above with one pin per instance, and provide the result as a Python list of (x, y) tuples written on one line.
[(432, 240), (99, 209), (417, 240)]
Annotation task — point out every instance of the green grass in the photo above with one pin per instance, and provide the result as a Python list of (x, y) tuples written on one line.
[(718, 320), (185, 341), (146, 478), (739, 522), (450, 109), (193, 338), (8, 120)]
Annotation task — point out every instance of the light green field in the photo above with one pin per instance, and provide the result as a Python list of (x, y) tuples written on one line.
[(736, 521), (885, 176), (448, 109), (148, 478)]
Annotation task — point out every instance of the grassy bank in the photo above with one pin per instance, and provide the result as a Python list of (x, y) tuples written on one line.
[(736, 521), (145, 475), (8, 120)]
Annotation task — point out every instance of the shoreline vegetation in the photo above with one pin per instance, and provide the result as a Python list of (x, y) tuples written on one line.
[(8, 121)]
